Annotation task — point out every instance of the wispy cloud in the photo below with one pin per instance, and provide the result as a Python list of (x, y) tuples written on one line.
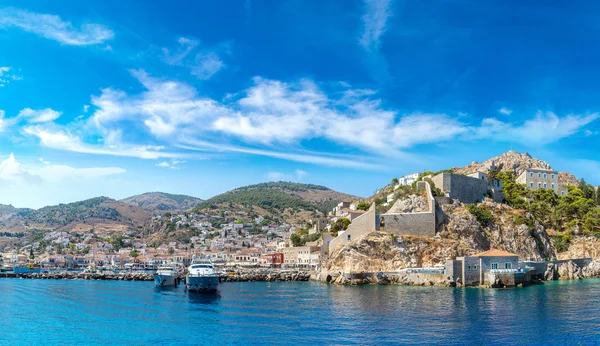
[(173, 164), (13, 171), (39, 116), (275, 118), (52, 183), (7, 76), (279, 176), (64, 140), (54, 28), (375, 18), (544, 128), (203, 62), (505, 111)]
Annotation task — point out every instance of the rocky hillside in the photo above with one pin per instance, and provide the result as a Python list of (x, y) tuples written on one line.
[(161, 202), (462, 231), (516, 162), (101, 212), (279, 196)]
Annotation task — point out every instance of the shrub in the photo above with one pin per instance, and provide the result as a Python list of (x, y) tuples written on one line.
[(483, 216), (562, 242), (363, 206)]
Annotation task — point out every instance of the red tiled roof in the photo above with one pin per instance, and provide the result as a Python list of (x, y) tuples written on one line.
[(495, 253)]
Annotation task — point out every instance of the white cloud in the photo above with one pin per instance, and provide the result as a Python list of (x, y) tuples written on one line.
[(202, 65), (54, 28), (377, 13), (207, 65), (173, 164), (279, 176), (176, 56), (52, 183), (300, 174), (324, 159), (64, 140), (14, 172), (6, 76), (275, 176), (3, 123), (44, 161), (544, 128), (275, 119), (39, 116), (86, 108), (505, 111)]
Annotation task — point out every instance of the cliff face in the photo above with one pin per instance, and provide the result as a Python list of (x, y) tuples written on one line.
[(461, 234)]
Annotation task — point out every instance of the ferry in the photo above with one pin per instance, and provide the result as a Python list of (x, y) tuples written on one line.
[(167, 275), (201, 277)]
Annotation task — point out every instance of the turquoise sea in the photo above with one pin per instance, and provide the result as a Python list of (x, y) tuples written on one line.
[(48, 312)]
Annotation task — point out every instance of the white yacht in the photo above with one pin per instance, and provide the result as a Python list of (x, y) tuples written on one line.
[(201, 277), (167, 275)]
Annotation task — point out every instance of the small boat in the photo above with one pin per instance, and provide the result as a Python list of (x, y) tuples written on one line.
[(29, 269), (167, 275), (202, 277)]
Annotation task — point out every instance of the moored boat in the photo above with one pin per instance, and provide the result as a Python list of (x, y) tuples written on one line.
[(202, 277), (167, 275)]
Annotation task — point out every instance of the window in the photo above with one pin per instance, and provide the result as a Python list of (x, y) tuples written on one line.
[(545, 176), (552, 185), (544, 185), (508, 265), (494, 265), (552, 176), (562, 193), (539, 175), (531, 174), (539, 184), (348, 237), (531, 184)]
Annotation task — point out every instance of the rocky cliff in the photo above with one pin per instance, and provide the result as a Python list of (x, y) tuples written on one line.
[(461, 234)]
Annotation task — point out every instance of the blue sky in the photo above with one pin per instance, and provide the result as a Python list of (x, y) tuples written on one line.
[(198, 97)]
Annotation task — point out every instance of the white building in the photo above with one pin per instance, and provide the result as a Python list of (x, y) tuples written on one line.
[(408, 179)]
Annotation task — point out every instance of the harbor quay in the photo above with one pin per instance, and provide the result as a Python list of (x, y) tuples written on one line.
[(230, 276)]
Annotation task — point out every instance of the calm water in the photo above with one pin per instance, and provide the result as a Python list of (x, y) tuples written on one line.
[(134, 313)]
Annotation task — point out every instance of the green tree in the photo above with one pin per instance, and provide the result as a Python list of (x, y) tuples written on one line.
[(591, 222), (296, 239), (31, 256), (340, 224), (394, 181), (363, 206), (134, 253), (171, 251)]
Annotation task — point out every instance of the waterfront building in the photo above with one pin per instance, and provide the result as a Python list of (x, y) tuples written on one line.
[(486, 268)]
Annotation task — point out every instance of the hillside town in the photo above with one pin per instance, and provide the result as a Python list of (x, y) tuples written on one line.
[(236, 236)]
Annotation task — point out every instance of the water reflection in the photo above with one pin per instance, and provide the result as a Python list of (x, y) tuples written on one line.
[(204, 298)]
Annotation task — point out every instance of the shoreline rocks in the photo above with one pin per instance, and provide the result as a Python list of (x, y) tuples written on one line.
[(238, 277), (81, 276)]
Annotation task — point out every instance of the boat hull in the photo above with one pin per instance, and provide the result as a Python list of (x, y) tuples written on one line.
[(202, 284), (164, 280)]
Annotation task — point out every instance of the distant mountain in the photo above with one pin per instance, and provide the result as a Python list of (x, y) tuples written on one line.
[(160, 201), (518, 163), (103, 211), (282, 195)]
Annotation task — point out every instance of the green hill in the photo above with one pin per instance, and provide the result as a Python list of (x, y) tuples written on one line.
[(280, 196)]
